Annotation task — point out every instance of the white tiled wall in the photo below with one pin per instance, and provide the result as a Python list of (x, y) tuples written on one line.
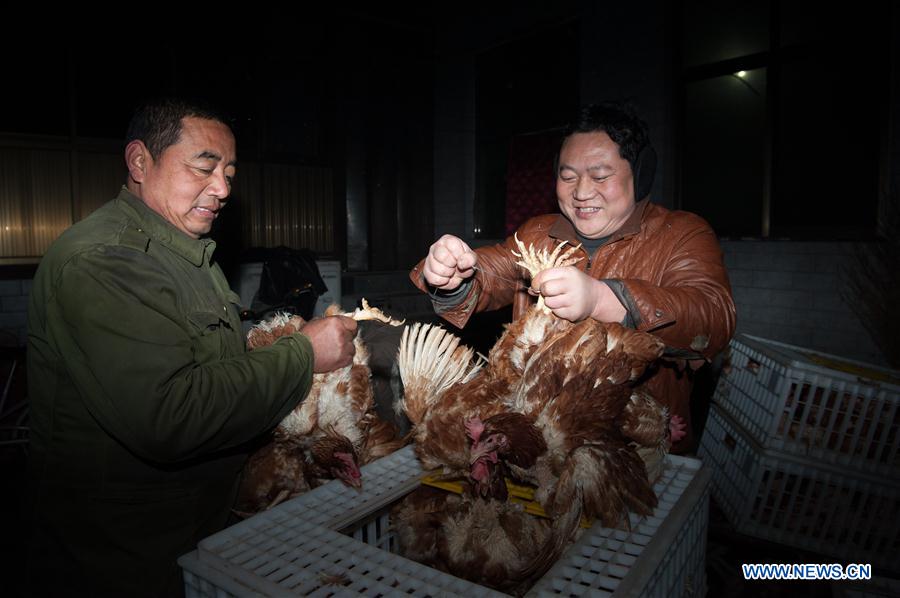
[(795, 292)]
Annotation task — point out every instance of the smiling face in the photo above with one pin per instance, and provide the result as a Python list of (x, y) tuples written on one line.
[(594, 184), (187, 184)]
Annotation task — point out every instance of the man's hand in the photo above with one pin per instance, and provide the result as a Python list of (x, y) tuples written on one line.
[(332, 341), (573, 295), (449, 262)]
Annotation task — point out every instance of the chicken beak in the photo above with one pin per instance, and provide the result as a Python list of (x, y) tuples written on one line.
[(480, 450), (354, 481)]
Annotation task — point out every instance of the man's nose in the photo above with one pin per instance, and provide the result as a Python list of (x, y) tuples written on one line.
[(218, 185), (583, 188)]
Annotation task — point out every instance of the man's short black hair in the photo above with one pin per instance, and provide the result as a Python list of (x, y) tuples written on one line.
[(619, 121), (158, 122)]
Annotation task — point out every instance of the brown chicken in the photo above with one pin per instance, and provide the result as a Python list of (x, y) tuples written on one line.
[(553, 406), (567, 435), (329, 435), (443, 386), (484, 541), (275, 472)]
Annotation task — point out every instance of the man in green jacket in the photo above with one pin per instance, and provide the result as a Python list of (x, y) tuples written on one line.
[(143, 396)]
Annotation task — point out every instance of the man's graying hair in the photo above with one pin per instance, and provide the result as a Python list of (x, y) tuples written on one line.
[(158, 122), (619, 121)]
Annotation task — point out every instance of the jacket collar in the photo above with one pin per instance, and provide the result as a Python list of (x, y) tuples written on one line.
[(196, 251), (563, 229)]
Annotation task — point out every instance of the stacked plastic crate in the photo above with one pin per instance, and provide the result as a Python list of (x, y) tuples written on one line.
[(336, 541), (805, 451)]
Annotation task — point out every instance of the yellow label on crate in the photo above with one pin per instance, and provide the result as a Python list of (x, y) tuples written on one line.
[(523, 495), (851, 368)]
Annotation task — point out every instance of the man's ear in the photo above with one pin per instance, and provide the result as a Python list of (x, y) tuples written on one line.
[(137, 159)]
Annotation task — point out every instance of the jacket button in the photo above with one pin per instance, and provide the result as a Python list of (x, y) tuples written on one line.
[(658, 313)]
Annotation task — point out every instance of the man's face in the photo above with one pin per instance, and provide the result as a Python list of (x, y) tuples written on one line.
[(188, 182), (594, 184)]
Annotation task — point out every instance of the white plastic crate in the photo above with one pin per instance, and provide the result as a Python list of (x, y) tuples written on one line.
[(815, 405), (336, 541), (795, 501)]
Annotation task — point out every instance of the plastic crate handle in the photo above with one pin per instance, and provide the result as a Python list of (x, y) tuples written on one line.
[(730, 442)]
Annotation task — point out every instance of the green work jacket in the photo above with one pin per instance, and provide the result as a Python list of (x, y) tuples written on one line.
[(143, 401)]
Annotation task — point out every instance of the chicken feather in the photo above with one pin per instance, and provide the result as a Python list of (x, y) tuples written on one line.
[(546, 408), (331, 432)]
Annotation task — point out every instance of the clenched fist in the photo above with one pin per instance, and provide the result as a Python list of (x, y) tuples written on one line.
[(332, 341), (449, 262), (573, 295)]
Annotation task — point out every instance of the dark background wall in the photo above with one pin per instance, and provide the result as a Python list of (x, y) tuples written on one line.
[(408, 117)]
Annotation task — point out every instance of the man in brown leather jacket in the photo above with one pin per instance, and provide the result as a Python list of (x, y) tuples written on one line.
[(647, 267)]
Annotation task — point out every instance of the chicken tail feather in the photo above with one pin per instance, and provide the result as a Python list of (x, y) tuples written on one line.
[(431, 360), (599, 481), (564, 528)]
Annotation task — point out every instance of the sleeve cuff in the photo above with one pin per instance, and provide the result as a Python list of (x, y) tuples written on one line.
[(632, 316), (444, 300)]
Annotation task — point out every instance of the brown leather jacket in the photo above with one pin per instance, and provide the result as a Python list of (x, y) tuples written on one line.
[(674, 284)]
